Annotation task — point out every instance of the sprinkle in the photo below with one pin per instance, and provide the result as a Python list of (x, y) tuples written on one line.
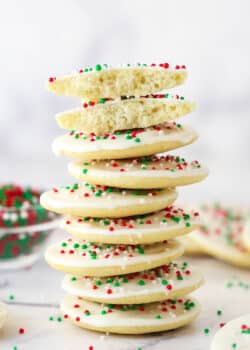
[(206, 331), (21, 331)]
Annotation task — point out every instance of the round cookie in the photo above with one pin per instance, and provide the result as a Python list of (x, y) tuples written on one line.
[(128, 80), (246, 235), (161, 283), (154, 227), (92, 259), (145, 172), (3, 314), (124, 113), (101, 201), (234, 335), (220, 235), (130, 319), (126, 143)]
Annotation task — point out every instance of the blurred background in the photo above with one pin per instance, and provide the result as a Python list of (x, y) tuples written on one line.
[(51, 38)]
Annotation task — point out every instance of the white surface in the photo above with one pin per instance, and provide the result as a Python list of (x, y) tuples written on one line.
[(55, 37), (41, 286)]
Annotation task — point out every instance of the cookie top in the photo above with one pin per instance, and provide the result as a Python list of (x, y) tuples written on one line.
[(142, 318), (220, 234), (167, 281), (85, 258), (124, 113), (165, 224), (111, 82), (234, 335), (100, 201), (124, 144), (144, 172)]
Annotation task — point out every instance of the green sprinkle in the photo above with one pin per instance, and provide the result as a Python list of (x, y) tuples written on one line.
[(164, 282), (84, 171), (102, 100), (98, 67), (64, 244), (59, 319), (141, 283), (140, 250), (98, 283), (234, 346), (116, 284), (137, 139), (206, 330), (219, 312), (51, 318), (103, 312), (73, 279), (11, 297), (158, 317), (76, 245), (187, 224)]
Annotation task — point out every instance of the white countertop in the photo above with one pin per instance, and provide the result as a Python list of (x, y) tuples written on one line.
[(39, 290)]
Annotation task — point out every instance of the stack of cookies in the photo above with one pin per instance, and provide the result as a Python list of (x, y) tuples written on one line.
[(119, 261)]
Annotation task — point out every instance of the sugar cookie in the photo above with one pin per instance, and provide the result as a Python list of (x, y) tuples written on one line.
[(221, 234), (100, 201), (3, 314), (79, 257), (129, 80), (145, 172), (234, 335), (124, 144), (130, 319), (164, 224), (124, 113), (164, 282), (190, 246)]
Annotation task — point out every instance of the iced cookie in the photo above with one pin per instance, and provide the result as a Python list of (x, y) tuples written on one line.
[(130, 319), (3, 314), (79, 257), (164, 282), (101, 201), (221, 234), (128, 80), (246, 235), (145, 172), (126, 143), (123, 113), (165, 224), (190, 245), (234, 335)]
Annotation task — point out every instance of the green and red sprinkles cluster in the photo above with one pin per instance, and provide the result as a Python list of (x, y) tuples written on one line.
[(165, 275), (168, 163), (19, 207), (104, 100), (130, 134), (99, 67), (87, 190), (95, 251), (169, 215), (164, 309), (228, 224)]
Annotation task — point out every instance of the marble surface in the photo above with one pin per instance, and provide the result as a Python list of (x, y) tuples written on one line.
[(37, 294)]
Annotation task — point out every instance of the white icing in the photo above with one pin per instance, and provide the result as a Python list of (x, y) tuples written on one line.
[(129, 318), (133, 226), (67, 143), (154, 284), (152, 252), (64, 199), (231, 334)]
